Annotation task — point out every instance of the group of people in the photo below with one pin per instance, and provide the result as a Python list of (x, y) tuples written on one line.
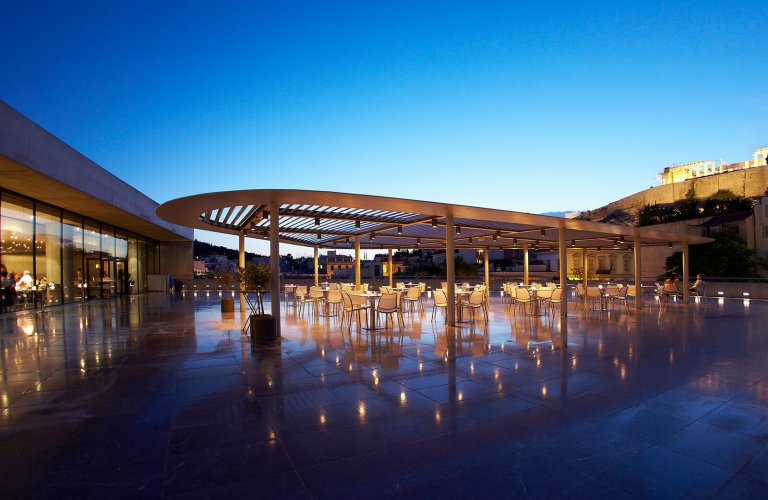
[(12, 283), (672, 285)]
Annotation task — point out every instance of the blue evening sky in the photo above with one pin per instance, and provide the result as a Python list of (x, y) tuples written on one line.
[(528, 106)]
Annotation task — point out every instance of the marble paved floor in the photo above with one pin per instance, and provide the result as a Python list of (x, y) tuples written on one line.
[(160, 396)]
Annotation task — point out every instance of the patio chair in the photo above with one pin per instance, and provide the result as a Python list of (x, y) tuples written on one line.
[(476, 301), (440, 301), (555, 299), (594, 296), (413, 296), (303, 298), (621, 296), (351, 307), (388, 306), (523, 298), (334, 301)]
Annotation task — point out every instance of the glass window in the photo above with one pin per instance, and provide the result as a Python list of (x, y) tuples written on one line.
[(107, 241), (73, 257), (16, 252), (92, 248), (48, 253)]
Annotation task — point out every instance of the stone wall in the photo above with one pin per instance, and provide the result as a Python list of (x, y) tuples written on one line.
[(751, 182)]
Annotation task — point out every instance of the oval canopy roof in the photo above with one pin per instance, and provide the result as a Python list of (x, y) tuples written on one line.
[(333, 220)]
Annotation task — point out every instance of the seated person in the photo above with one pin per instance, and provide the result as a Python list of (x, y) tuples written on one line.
[(25, 282), (671, 286), (699, 286)]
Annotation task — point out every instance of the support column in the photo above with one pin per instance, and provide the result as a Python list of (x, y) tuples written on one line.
[(450, 310), (317, 266), (241, 263), (274, 262), (585, 267), (357, 262), (487, 273), (391, 270), (638, 270), (525, 264), (686, 273), (563, 271)]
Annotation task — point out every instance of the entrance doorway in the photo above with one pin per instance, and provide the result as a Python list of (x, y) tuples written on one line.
[(106, 277)]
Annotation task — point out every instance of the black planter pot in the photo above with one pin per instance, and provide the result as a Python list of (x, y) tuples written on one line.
[(263, 329), (227, 305)]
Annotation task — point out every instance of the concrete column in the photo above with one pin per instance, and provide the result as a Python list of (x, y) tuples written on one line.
[(686, 273), (486, 251), (563, 271), (241, 263), (317, 266), (357, 262), (391, 270), (638, 270), (450, 310), (274, 261), (525, 264), (241, 248), (585, 267)]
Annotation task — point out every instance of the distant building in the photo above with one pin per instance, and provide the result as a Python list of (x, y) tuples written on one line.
[(680, 173)]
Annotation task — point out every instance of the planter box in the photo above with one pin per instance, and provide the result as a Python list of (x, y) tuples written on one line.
[(227, 305), (263, 328)]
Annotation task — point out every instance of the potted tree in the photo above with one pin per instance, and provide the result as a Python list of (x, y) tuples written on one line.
[(225, 278), (255, 279)]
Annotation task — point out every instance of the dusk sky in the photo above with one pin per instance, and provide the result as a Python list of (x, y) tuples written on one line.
[(527, 106)]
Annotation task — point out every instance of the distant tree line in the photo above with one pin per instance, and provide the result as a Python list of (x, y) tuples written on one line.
[(201, 250)]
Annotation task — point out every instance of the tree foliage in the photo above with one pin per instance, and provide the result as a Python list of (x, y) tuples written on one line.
[(691, 207), (727, 256)]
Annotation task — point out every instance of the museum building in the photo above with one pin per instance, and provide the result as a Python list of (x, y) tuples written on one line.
[(70, 230)]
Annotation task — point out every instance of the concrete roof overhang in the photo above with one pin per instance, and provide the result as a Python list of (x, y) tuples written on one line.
[(34, 163), (333, 220)]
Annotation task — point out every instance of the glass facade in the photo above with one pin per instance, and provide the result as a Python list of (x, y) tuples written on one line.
[(52, 256)]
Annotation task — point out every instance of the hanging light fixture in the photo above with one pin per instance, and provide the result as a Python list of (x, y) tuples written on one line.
[(317, 221), (357, 224), (543, 232), (434, 222), (373, 236), (573, 243), (319, 236), (399, 229), (458, 229), (495, 237)]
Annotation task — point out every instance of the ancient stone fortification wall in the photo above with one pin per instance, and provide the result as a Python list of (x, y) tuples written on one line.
[(749, 182)]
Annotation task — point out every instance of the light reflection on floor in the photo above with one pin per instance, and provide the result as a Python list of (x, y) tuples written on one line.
[(157, 395)]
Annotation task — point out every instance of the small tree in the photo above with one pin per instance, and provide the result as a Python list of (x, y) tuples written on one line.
[(225, 278), (255, 278)]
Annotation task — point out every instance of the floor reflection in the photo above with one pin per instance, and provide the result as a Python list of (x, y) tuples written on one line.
[(169, 379)]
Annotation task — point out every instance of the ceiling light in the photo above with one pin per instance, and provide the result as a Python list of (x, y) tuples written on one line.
[(434, 222), (357, 224), (458, 229), (543, 232), (495, 237), (373, 236), (319, 236), (470, 239), (317, 221), (573, 243), (670, 244), (399, 229)]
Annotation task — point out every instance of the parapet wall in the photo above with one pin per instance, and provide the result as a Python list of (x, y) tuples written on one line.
[(750, 182)]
